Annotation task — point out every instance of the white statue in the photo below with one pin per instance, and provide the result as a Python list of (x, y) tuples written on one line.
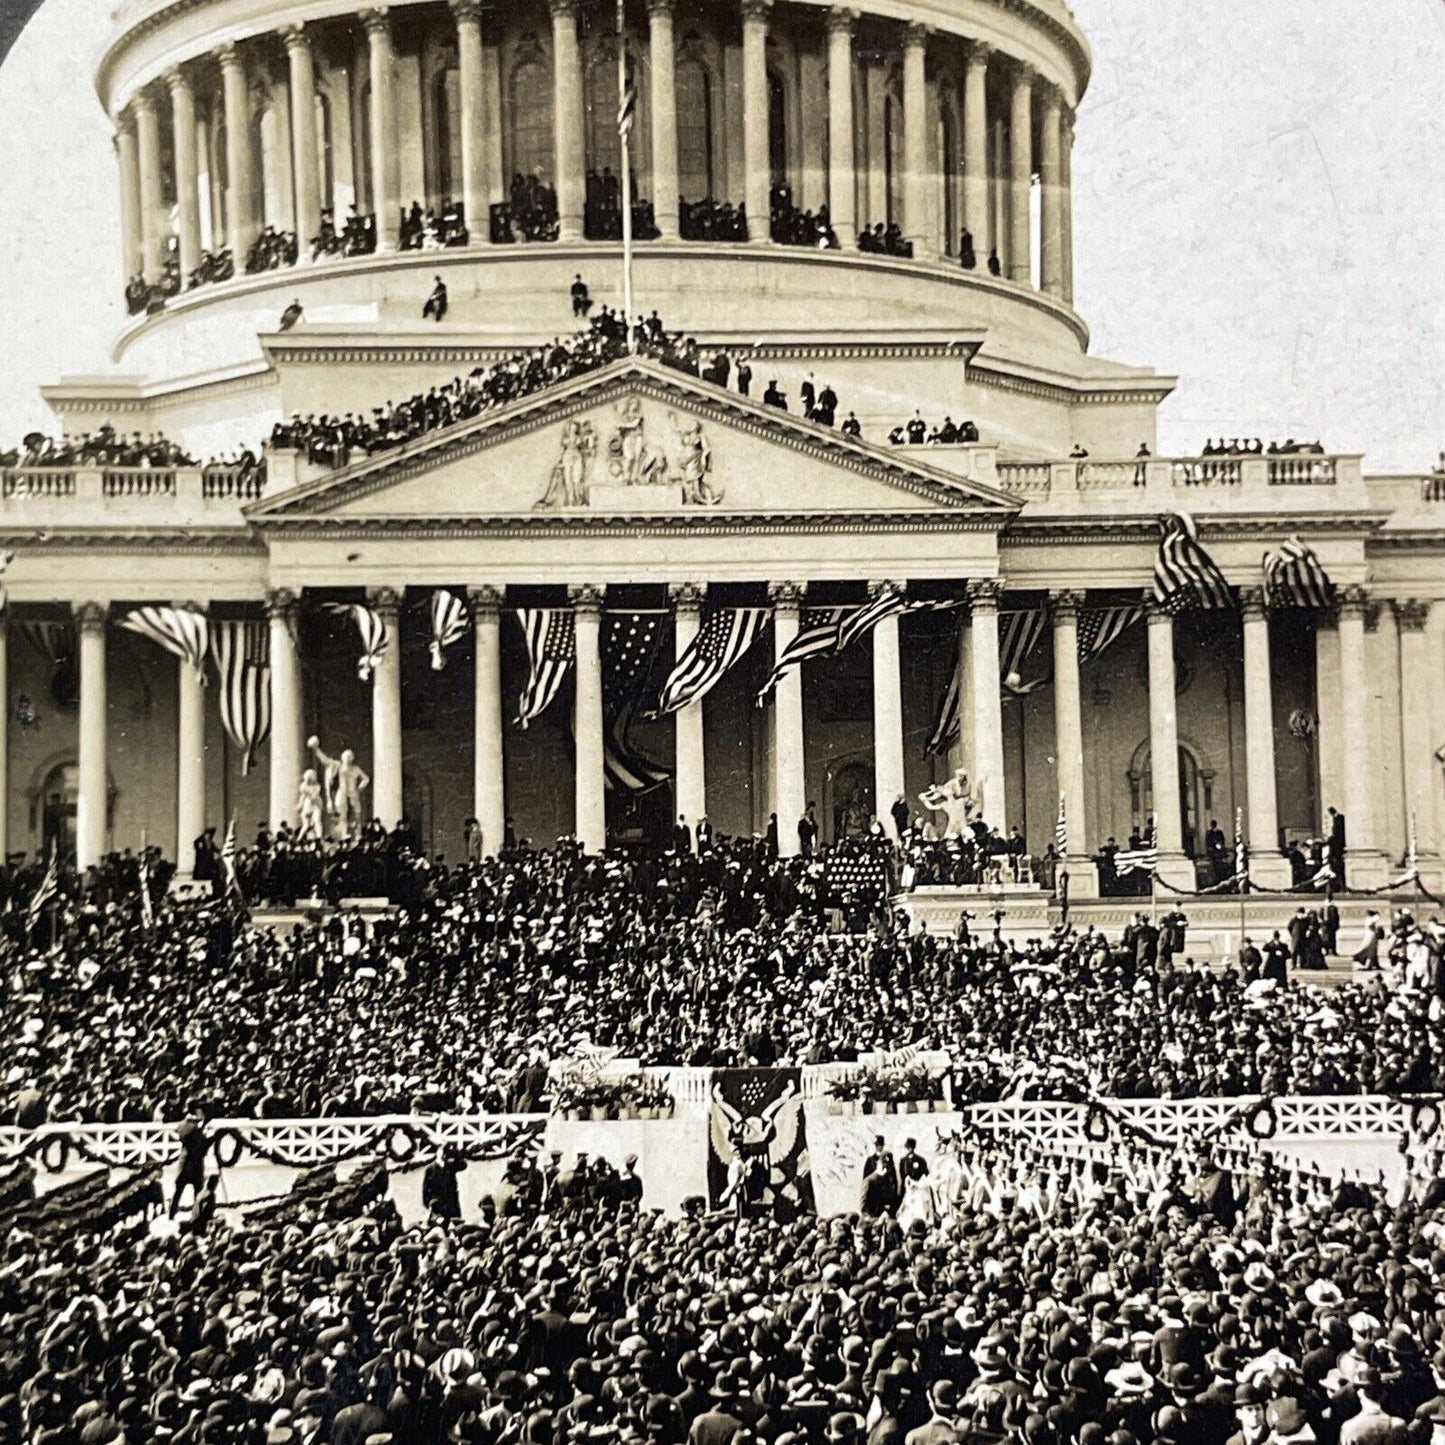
[(568, 485), (310, 807), (344, 781), (634, 462), (694, 463), (959, 803)]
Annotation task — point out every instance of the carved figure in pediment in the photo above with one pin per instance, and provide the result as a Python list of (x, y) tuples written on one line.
[(568, 486), (632, 459), (694, 463)]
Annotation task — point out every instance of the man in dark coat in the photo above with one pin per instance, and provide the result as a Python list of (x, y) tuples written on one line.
[(880, 1181)]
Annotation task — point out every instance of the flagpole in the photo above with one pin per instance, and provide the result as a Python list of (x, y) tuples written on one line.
[(624, 138)]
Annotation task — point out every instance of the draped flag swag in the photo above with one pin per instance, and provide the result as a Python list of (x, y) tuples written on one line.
[(1101, 627), (1294, 577), (242, 657), (817, 636), (1185, 575), (183, 633), (373, 630), (448, 625), (888, 603), (630, 644), (551, 638), (724, 637)]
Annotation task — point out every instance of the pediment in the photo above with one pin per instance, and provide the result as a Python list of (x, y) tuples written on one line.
[(634, 440)]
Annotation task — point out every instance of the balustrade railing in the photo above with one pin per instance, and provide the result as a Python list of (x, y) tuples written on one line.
[(1024, 477), (1208, 472), (138, 482), (232, 484), (37, 482), (1432, 488), (1109, 476), (1302, 471)]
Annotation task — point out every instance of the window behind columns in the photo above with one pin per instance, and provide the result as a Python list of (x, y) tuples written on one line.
[(948, 168), (530, 104), (694, 130), (604, 148), (325, 160), (777, 129), (447, 128), (361, 146), (893, 157)]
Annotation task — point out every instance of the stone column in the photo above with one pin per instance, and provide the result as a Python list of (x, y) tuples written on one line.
[(473, 121), (1419, 704), (489, 796), (1051, 209), (1066, 204), (284, 218), (975, 150), (1021, 175), (1382, 667), (1068, 718), (128, 158), (691, 799), (384, 162), (590, 824), (306, 166), (1163, 734), (887, 712), (190, 757), (842, 182), (281, 607), (1267, 866), (152, 211), (240, 170), (664, 117), (915, 150), (567, 123), (93, 801), (984, 595), (1329, 709), (790, 778), (188, 200), (756, 169), (1358, 749), (387, 806)]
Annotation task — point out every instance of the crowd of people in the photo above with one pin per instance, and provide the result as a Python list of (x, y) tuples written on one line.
[(790, 225), (1254, 447), (885, 240), (731, 955), (356, 238), (528, 214), (712, 220), (1205, 1297), (916, 432), (103, 447), (271, 250), (429, 230)]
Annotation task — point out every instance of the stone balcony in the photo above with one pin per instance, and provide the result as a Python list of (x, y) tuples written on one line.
[(127, 497)]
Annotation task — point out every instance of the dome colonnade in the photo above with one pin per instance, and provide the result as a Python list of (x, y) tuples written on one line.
[(931, 128)]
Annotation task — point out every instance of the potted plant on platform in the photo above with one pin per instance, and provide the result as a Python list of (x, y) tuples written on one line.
[(844, 1094)]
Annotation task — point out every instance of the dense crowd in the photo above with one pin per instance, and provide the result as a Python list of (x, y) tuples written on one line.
[(103, 447), (712, 220), (356, 238), (489, 971), (1193, 1299), (790, 225)]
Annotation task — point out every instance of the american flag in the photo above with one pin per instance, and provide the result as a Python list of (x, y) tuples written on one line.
[(48, 891), (373, 630), (1184, 573), (1061, 831), (626, 102), (52, 641), (242, 654), (817, 635), (1294, 577), (945, 721), (448, 624), (180, 631), (887, 603), (725, 635), (1019, 634), (1146, 858), (147, 910), (1101, 627), (229, 875), (1241, 857), (551, 638), (629, 649)]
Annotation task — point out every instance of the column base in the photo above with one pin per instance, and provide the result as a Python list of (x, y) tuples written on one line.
[(1176, 869), (1270, 870), (1083, 879), (1365, 868), (667, 229), (569, 228)]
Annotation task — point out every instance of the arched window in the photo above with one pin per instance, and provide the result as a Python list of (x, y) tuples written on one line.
[(447, 118), (604, 150), (948, 168), (777, 129), (531, 107), (694, 130)]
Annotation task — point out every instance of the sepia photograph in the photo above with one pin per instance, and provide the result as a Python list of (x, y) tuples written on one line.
[(722, 722)]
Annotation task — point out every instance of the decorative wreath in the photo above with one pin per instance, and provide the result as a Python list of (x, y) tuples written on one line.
[(54, 1153), (228, 1146), (1424, 1118), (1263, 1122), (1096, 1124), (401, 1143)]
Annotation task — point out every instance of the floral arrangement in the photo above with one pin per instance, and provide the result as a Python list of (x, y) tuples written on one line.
[(882, 1089), (633, 1096)]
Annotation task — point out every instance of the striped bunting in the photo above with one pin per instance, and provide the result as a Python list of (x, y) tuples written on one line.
[(53, 642), (1019, 634), (374, 636), (1185, 575), (725, 635), (551, 638), (817, 636), (183, 633), (48, 891), (242, 656), (1061, 831), (1294, 577), (1101, 627), (448, 625), (945, 722), (626, 102), (1145, 858), (1241, 856), (630, 643), (888, 603)]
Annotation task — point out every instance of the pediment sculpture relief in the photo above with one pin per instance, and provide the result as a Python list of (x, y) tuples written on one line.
[(632, 458)]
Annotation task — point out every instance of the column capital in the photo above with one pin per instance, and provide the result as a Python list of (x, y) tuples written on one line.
[(787, 595), (1051, 100), (1412, 614), (1067, 126), (877, 589), (1066, 603), (587, 596), (979, 53), (176, 79), (1156, 613), (228, 56), (124, 125), (377, 21), (841, 20), (90, 617), (1023, 75), (562, 9), (143, 101), (486, 600), (1253, 604), (281, 604), (295, 37), (385, 600), (1354, 599), (756, 10), (984, 593), (915, 34), (466, 11), (686, 596), (661, 7)]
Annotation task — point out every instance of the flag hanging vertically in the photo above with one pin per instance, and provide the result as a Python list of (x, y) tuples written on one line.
[(242, 655), (1019, 634), (630, 642), (1185, 575), (1101, 627), (1061, 831), (816, 636), (724, 637), (626, 112), (945, 720), (229, 876), (551, 637), (47, 892), (375, 638), (448, 625), (1241, 857), (183, 633), (1294, 577), (147, 908)]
